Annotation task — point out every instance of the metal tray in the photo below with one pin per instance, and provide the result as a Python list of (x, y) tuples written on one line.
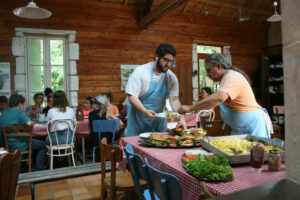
[(238, 159)]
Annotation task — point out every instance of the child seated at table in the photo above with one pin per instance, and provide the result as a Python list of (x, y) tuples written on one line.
[(34, 110), (49, 104), (101, 114), (61, 111), (87, 106), (14, 116)]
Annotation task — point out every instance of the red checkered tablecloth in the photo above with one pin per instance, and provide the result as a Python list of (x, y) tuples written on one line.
[(82, 129), (169, 160)]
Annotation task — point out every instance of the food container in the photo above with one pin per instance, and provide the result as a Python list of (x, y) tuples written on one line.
[(238, 159)]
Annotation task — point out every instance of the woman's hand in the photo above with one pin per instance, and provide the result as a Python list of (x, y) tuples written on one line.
[(151, 114)]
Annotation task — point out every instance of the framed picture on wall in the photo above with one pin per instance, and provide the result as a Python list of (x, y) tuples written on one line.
[(5, 79), (126, 71)]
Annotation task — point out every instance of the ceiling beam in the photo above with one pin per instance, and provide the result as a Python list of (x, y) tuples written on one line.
[(161, 10), (236, 6)]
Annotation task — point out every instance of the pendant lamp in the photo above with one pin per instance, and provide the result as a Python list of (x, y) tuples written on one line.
[(32, 11), (276, 17)]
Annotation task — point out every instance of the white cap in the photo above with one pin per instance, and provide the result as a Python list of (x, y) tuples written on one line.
[(100, 99)]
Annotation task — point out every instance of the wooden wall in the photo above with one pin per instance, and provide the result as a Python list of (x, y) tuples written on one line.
[(108, 36)]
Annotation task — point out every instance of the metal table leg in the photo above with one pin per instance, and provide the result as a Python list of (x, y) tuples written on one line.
[(83, 149)]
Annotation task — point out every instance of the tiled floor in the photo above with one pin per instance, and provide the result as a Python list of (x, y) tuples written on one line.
[(87, 187)]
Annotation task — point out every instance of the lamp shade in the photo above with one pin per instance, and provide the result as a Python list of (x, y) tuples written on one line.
[(32, 11), (274, 18)]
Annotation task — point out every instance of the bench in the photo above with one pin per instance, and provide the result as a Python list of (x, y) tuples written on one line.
[(58, 174)]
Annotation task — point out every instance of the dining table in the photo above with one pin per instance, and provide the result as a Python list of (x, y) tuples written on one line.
[(169, 160), (82, 131)]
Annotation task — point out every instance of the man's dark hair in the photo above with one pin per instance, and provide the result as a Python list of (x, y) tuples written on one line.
[(207, 89), (37, 94), (15, 100), (108, 96), (3, 99), (163, 49), (90, 99), (48, 91)]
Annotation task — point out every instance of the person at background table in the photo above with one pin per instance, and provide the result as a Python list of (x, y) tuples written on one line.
[(61, 110), (205, 91), (148, 87), (34, 110), (109, 106), (3, 103), (15, 116), (123, 113), (87, 106), (47, 92), (235, 97), (101, 114), (49, 104)]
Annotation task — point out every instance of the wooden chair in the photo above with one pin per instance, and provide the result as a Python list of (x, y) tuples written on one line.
[(139, 173), (9, 172), (59, 149), (206, 194), (20, 132), (165, 186), (115, 182)]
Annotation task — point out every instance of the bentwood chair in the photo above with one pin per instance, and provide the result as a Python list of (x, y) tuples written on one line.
[(19, 133), (9, 173), (101, 126), (116, 181), (165, 186), (208, 115), (59, 148), (139, 173)]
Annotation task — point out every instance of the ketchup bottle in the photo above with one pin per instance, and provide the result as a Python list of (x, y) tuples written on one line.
[(257, 156)]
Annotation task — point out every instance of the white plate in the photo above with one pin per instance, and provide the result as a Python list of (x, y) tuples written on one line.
[(165, 115), (198, 151), (145, 135)]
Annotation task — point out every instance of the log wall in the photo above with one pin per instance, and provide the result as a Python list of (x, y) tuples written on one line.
[(108, 36)]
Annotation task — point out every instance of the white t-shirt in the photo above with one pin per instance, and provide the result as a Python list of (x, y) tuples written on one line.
[(139, 81), (54, 113)]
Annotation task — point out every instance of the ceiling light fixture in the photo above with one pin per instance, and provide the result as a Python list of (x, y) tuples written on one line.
[(276, 17), (32, 11)]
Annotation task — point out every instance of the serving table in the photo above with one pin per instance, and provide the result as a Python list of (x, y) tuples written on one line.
[(169, 160), (82, 130)]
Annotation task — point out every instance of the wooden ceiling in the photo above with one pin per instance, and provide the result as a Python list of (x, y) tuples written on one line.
[(239, 10)]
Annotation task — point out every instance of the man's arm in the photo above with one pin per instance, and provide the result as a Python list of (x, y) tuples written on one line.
[(137, 104), (209, 102), (176, 106)]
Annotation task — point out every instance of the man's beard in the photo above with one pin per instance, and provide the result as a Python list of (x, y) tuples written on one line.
[(159, 67)]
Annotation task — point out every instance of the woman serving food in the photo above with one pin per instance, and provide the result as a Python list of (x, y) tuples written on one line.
[(235, 97)]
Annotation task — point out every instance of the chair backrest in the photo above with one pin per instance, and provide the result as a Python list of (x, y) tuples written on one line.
[(113, 154), (19, 132), (166, 186), (100, 126), (208, 114), (138, 170), (70, 125), (9, 173)]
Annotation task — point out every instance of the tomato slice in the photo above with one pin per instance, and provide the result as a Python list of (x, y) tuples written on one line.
[(174, 140), (189, 157)]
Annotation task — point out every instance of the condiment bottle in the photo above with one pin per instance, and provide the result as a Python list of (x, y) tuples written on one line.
[(274, 160), (79, 114), (257, 156)]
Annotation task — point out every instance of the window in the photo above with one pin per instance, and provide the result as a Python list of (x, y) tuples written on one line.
[(46, 64), (203, 51)]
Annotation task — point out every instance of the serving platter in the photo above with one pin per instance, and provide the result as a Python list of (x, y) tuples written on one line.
[(167, 114), (147, 144), (203, 177), (237, 159)]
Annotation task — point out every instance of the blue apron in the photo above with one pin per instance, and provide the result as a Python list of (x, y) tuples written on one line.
[(154, 99), (252, 123)]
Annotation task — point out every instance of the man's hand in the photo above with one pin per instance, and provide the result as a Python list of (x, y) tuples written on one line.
[(184, 109), (151, 114)]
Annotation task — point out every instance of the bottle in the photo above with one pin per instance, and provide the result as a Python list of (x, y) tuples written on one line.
[(79, 113), (257, 156), (274, 160)]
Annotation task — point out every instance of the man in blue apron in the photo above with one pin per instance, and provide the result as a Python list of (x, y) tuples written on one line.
[(147, 88), (235, 97)]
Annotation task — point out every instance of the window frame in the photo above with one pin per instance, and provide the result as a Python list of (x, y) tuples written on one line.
[(46, 64)]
